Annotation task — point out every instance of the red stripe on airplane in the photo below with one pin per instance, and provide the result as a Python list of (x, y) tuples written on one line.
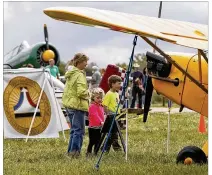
[(116, 28)]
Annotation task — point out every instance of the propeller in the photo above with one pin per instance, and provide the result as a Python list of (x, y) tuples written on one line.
[(47, 54), (148, 97), (46, 36)]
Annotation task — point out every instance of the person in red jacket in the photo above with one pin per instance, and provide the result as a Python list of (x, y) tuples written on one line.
[(96, 119)]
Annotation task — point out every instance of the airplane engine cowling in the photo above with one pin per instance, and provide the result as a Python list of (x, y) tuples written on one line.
[(157, 65), (32, 55)]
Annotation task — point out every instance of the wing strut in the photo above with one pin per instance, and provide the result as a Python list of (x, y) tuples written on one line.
[(200, 66), (203, 54)]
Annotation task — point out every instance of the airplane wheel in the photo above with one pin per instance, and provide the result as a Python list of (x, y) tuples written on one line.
[(191, 154)]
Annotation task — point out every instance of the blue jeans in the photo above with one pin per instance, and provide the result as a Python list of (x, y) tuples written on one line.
[(77, 121)]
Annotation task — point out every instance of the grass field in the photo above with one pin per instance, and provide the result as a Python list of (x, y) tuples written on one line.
[(174, 105), (147, 151)]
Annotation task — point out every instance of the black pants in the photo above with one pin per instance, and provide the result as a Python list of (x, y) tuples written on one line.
[(136, 90), (94, 138), (113, 140)]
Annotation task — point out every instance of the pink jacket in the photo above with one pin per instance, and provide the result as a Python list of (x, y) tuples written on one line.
[(96, 115)]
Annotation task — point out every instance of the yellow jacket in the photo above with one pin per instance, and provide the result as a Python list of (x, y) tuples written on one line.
[(76, 95)]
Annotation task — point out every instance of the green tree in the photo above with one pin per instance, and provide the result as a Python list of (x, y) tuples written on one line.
[(61, 68), (122, 65), (140, 59)]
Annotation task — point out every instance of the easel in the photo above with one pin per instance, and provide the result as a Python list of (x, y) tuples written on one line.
[(116, 128)]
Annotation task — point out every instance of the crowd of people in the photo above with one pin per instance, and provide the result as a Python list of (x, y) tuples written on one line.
[(79, 99)]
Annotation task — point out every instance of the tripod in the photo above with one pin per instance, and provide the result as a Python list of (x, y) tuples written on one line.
[(126, 82), (105, 130)]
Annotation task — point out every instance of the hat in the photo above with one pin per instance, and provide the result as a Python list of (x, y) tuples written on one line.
[(136, 65)]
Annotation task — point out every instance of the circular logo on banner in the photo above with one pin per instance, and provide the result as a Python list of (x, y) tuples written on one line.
[(20, 101)]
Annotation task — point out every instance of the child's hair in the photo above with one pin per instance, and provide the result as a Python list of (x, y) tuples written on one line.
[(113, 79), (96, 91), (78, 58)]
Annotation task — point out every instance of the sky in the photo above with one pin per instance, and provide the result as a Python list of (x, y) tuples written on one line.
[(25, 20)]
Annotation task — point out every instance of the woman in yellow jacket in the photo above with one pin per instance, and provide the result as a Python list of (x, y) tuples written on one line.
[(75, 99)]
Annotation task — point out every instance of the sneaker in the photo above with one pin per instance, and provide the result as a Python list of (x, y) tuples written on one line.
[(73, 154), (68, 155), (88, 155), (117, 149), (77, 154)]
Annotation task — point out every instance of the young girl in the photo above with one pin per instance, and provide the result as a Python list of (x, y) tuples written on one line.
[(96, 119)]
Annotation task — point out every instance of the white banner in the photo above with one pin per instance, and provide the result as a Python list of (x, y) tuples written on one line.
[(22, 88)]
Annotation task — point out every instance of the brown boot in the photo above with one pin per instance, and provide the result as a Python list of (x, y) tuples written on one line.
[(71, 154), (88, 155), (77, 154)]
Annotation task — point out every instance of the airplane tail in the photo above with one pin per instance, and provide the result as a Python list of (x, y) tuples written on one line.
[(24, 45)]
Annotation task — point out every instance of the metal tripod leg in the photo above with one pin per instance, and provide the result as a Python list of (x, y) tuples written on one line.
[(100, 142), (120, 135)]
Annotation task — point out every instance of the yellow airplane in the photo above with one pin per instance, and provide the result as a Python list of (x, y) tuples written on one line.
[(183, 78)]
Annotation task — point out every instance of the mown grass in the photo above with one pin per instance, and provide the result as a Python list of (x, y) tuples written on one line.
[(147, 151), (174, 105)]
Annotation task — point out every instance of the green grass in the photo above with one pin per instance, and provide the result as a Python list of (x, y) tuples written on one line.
[(147, 151), (174, 105)]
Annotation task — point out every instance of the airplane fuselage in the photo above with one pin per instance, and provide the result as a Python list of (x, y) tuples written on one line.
[(186, 92)]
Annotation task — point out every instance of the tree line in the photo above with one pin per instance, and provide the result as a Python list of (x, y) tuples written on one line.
[(139, 58)]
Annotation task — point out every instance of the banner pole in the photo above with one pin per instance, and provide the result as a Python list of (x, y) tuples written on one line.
[(168, 130), (36, 109), (126, 130)]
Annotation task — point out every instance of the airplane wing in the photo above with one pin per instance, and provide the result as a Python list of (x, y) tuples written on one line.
[(178, 32)]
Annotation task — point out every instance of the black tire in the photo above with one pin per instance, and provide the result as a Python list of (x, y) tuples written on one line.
[(195, 153)]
